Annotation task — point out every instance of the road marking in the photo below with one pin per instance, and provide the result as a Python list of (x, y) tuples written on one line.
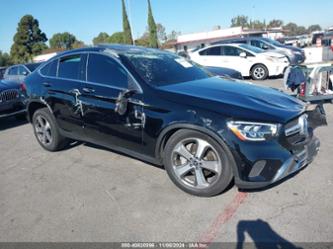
[(211, 233)]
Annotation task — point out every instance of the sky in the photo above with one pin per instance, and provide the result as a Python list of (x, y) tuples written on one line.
[(87, 18)]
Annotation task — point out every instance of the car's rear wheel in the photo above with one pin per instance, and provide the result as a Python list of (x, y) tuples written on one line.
[(197, 164), (46, 131), (259, 72)]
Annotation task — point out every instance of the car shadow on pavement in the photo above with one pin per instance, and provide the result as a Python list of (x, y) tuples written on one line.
[(12, 122), (262, 236)]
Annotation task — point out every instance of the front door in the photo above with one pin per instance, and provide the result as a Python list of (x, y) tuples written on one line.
[(106, 79)]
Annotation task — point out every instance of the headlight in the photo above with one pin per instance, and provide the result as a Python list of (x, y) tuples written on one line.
[(252, 131)]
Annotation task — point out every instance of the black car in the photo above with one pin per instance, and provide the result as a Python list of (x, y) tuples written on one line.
[(295, 55), (158, 107), (12, 99)]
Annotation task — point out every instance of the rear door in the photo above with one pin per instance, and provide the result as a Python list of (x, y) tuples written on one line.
[(106, 79), (211, 57), (63, 85)]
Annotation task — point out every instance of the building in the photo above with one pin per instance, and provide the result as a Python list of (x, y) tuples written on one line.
[(192, 41)]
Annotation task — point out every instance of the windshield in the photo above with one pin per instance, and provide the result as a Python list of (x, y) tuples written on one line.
[(252, 48), (163, 68), (276, 43)]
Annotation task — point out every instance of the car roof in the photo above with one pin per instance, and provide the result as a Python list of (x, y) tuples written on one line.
[(114, 48)]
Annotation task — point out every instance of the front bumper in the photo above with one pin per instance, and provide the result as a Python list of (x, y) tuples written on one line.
[(264, 172)]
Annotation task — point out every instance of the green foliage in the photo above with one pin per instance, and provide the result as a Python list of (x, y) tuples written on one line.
[(127, 34), (62, 41), (315, 27), (241, 20), (153, 41), (117, 37), (102, 37), (293, 29), (161, 35), (275, 23), (29, 40), (5, 59)]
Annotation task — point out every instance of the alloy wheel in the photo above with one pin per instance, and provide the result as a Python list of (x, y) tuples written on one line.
[(43, 130), (196, 163), (259, 72)]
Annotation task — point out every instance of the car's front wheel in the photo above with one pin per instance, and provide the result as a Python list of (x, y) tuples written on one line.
[(259, 72), (197, 164), (46, 131)]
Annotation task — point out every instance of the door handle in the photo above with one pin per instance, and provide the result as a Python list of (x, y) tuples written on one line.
[(88, 90), (46, 84)]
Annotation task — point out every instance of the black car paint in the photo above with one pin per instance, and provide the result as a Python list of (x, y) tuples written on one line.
[(225, 72), (14, 106), (154, 113)]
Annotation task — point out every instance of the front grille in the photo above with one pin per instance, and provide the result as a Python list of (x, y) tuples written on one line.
[(8, 95), (297, 131)]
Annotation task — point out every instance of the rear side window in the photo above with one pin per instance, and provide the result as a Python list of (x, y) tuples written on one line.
[(211, 51), (69, 67), (105, 70), (231, 51), (23, 71), (13, 71), (50, 69)]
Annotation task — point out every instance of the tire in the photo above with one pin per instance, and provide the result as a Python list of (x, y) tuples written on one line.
[(185, 173), (46, 131), (259, 72)]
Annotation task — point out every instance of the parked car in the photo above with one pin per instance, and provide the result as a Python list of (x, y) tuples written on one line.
[(2, 72), (161, 108), (17, 73), (218, 71), (249, 60), (295, 55), (12, 99)]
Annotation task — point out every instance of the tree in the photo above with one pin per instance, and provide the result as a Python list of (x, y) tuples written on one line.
[(29, 40), (127, 34), (117, 37), (5, 59), (62, 40), (294, 30), (313, 28), (257, 24), (153, 40), (161, 35), (275, 23), (78, 44), (241, 20), (173, 35), (102, 37)]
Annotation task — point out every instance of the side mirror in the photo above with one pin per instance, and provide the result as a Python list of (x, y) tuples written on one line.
[(25, 73), (265, 47), (242, 55), (122, 101)]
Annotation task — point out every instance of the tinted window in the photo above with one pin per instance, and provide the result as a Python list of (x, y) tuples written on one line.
[(22, 71), (50, 69), (105, 70), (69, 67), (13, 71), (163, 68), (211, 51), (260, 44), (231, 51)]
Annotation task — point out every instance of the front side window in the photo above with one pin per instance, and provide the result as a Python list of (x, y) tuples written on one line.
[(105, 70), (231, 51), (50, 69), (69, 67), (163, 68), (23, 71)]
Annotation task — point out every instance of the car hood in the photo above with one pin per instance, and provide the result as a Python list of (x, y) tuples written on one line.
[(236, 99), (7, 84)]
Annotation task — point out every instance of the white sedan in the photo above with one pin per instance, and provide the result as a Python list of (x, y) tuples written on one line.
[(249, 60)]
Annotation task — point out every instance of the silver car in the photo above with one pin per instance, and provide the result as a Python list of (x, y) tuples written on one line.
[(17, 73)]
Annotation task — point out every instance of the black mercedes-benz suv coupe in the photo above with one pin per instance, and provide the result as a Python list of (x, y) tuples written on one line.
[(162, 108)]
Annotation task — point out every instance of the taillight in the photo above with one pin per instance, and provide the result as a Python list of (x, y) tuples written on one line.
[(23, 87), (302, 89)]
